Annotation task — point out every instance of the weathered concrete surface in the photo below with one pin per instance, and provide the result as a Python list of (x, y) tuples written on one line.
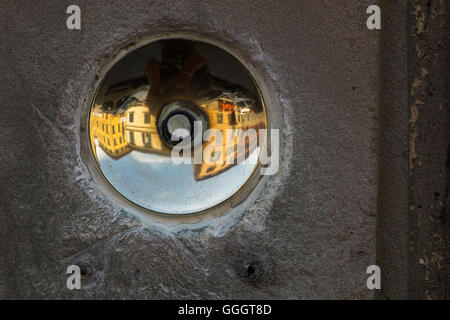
[(428, 102), (413, 225), (317, 239)]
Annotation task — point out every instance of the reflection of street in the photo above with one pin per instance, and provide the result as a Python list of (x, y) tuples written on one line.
[(125, 117)]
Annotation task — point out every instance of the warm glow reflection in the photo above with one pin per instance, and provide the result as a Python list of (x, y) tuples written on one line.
[(131, 117)]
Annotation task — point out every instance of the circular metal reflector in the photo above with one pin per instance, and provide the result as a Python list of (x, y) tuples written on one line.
[(176, 126)]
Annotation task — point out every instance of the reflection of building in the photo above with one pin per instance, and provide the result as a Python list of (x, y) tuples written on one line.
[(108, 129), (125, 117), (223, 114), (107, 121), (124, 125), (141, 132)]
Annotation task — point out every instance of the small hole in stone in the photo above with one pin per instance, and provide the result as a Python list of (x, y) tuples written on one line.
[(86, 268), (250, 270), (83, 270)]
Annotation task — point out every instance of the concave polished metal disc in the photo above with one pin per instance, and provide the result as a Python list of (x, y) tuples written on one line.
[(184, 96)]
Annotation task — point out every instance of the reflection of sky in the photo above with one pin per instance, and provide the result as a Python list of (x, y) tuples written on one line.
[(154, 182)]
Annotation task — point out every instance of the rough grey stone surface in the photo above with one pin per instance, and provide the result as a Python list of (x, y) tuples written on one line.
[(428, 102), (413, 202), (317, 239)]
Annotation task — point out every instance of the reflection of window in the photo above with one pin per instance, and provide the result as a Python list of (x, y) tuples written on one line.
[(106, 128), (131, 136), (120, 139), (146, 139), (115, 142), (210, 169), (112, 129), (131, 117), (147, 117), (220, 117), (219, 154), (118, 128), (103, 127), (109, 142)]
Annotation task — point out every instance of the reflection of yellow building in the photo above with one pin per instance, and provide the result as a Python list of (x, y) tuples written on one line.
[(223, 115), (108, 129), (134, 128), (141, 132), (124, 120)]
